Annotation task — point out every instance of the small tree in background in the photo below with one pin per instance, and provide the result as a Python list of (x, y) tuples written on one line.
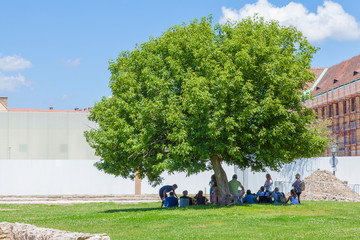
[(199, 95)]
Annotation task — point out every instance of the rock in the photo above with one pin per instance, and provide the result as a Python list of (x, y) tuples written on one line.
[(22, 231)]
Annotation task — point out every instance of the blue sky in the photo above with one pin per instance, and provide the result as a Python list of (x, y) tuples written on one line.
[(56, 53)]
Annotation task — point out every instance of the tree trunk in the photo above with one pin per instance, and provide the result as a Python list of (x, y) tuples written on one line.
[(221, 180)]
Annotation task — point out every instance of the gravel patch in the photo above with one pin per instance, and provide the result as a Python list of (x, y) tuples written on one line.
[(78, 199)]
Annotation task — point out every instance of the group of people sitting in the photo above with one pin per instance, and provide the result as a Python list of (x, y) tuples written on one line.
[(264, 195), (173, 201)]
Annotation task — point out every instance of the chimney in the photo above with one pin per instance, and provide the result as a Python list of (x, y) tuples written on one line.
[(89, 109), (51, 108), (76, 109), (4, 101)]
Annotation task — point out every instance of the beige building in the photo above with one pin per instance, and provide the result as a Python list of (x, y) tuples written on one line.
[(336, 94), (3, 104)]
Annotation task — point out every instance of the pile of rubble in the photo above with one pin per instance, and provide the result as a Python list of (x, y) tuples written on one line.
[(323, 185), (22, 231)]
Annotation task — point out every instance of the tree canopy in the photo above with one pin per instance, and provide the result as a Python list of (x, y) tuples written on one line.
[(199, 95)]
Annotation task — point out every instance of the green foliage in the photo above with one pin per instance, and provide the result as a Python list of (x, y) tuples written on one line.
[(232, 90), (310, 220)]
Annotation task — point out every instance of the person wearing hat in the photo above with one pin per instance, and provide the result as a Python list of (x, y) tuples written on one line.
[(234, 185)]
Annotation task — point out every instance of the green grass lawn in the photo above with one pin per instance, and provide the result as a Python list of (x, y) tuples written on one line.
[(311, 220)]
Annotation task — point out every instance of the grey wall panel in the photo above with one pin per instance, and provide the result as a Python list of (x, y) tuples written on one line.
[(44, 135), (4, 135)]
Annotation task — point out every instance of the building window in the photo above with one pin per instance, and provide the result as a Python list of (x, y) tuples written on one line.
[(353, 136), (352, 125), (336, 128), (63, 148), (316, 113), (345, 138), (323, 112), (23, 148), (353, 104), (330, 111), (346, 126), (345, 107), (337, 109), (330, 129)]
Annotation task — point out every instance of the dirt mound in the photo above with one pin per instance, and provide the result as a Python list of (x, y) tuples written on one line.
[(323, 185)]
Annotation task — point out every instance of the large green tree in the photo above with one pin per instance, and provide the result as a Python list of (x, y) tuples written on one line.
[(198, 96)]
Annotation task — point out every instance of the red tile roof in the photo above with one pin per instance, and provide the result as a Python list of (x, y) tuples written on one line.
[(318, 71), (44, 110), (339, 74)]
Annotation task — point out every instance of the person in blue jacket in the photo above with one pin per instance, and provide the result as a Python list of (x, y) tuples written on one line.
[(249, 198), (171, 201)]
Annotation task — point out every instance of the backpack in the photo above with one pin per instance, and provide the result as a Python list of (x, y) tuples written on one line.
[(281, 198), (200, 200), (263, 199), (302, 186), (184, 202)]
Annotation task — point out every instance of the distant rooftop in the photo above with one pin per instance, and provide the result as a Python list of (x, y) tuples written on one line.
[(4, 108), (337, 76), (47, 110)]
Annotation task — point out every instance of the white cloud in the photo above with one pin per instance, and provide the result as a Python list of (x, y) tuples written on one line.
[(65, 97), (13, 63), (9, 83), (71, 63), (330, 20)]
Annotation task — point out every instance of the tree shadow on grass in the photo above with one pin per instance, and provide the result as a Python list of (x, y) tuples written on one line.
[(202, 207), (134, 210)]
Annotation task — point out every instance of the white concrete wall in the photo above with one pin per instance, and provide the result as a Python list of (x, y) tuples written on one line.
[(62, 177), (346, 170), (54, 177)]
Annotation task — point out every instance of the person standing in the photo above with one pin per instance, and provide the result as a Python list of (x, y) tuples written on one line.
[(165, 189), (216, 190), (234, 185), (211, 191), (297, 186), (268, 183)]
